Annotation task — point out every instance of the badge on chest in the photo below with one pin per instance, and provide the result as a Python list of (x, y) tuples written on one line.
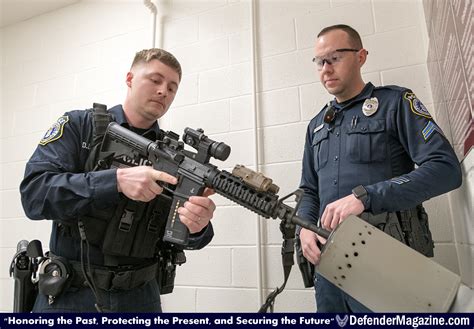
[(370, 106)]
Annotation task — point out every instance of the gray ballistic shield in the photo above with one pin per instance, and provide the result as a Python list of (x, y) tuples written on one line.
[(384, 274)]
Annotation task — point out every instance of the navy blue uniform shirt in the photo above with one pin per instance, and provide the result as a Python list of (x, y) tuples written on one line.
[(56, 187), (379, 150)]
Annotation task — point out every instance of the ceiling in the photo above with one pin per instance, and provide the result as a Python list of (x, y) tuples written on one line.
[(14, 11)]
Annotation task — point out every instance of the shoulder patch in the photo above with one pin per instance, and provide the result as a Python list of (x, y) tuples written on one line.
[(416, 105), (391, 87), (55, 131)]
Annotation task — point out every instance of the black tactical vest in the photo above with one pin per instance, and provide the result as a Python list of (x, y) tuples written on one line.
[(132, 228)]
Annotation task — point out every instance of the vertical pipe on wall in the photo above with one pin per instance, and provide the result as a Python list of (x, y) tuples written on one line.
[(151, 6), (156, 10), (256, 123), (158, 25)]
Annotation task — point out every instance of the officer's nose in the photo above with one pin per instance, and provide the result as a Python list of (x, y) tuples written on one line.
[(326, 66), (162, 91)]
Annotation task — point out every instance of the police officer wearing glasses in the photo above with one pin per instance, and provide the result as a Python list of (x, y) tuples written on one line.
[(374, 152), (108, 213)]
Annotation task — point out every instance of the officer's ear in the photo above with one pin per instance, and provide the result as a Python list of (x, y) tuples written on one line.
[(128, 79), (362, 56)]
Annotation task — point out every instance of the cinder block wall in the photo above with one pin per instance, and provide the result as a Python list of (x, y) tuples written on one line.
[(72, 57), (64, 60)]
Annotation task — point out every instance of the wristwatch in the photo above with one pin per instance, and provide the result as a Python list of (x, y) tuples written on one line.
[(360, 193)]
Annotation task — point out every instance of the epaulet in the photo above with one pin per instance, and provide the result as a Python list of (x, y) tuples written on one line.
[(392, 87)]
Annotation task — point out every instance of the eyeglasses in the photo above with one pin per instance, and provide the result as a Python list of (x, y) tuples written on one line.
[(332, 58)]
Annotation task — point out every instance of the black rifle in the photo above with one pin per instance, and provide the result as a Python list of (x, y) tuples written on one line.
[(194, 172)]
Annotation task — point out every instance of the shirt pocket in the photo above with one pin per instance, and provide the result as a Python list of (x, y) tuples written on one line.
[(320, 148), (366, 142)]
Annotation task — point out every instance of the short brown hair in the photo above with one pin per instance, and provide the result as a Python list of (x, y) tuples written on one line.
[(146, 55), (354, 36)]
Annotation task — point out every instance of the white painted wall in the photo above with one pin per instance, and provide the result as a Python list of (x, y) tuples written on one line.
[(72, 57), (53, 63)]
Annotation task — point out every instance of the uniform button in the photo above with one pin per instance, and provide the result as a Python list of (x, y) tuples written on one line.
[(336, 158), (334, 182), (363, 129), (337, 133)]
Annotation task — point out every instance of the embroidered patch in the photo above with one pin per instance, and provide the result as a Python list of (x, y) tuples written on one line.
[(429, 129), (416, 105), (400, 180), (55, 132), (318, 128)]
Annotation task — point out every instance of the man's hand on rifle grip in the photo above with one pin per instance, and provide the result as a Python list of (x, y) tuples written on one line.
[(141, 183)]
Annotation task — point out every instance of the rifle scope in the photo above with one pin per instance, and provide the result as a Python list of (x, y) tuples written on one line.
[(201, 142)]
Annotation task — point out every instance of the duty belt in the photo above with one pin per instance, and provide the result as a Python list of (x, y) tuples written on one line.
[(381, 219), (114, 278), (378, 221)]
